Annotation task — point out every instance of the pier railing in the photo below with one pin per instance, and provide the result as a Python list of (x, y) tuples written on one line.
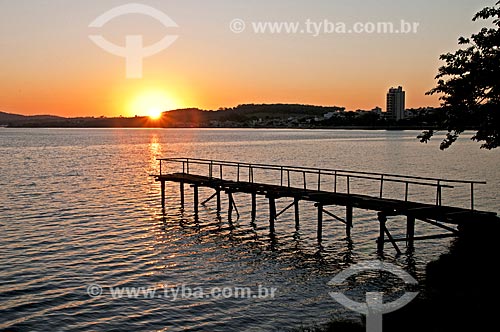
[(309, 178)]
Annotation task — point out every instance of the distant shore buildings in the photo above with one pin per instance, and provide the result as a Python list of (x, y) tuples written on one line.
[(396, 104)]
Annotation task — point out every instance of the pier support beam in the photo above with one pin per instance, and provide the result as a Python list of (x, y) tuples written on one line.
[(348, 220), (410, 232), (272, 214), (163, 194), (380, 242), (254, 205), (320, 222), (182, 194), (297, 215)]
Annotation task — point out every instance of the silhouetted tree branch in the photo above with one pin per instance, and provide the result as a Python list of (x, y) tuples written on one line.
[(470, 84)]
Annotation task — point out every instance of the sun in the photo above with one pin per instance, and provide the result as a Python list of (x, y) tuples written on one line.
[(155, 113), (152, 103)]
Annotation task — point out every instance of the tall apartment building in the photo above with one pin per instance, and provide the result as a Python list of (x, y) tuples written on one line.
[(396, 103)]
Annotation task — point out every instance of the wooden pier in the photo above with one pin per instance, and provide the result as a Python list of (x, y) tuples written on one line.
[(322, 187)]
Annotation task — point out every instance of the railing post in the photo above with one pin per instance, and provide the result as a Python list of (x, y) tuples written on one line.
[(187, 165), (381, 185), (220, 171), (304, 176), (438, 193), (238, 173), (406, 192), (183, 167), (210, 168), (288, 177), (160, 166), (281, 171), (319, 180), (335, 183), (348, 185)]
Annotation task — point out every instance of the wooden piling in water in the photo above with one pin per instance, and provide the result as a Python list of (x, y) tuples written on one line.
[(163, 194), (297, 214), (348, 220), (380, 241), (254, 205), (217, 194), (195, 193), (320, 222), (272, 214), (410, 232), (231, 205), (181, 185)]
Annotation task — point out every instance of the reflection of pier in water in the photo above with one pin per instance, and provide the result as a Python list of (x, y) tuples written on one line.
[(310, 184)]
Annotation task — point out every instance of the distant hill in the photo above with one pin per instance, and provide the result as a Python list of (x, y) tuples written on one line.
[(5, 118), (247, 112), (12, 119)]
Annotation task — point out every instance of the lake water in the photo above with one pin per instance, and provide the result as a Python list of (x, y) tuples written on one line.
[(78, 207)]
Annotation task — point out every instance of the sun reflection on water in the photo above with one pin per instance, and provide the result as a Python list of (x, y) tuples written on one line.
[(155, 150)]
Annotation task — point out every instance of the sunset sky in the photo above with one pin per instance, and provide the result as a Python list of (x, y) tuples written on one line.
[(50, 66)]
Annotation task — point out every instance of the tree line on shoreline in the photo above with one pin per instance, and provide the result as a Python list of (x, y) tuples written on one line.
[(242, 116)]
